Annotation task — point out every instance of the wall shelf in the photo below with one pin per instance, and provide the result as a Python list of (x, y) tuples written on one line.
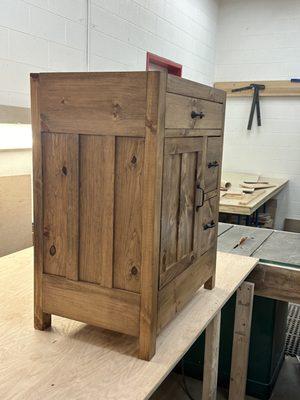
[(273, 88)]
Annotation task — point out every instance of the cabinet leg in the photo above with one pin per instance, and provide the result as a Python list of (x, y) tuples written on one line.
[(210, 283), (42, 320)]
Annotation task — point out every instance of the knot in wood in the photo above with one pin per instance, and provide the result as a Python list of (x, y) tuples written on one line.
[(64, 170), (52, 250), (134, 271), (116, 110)]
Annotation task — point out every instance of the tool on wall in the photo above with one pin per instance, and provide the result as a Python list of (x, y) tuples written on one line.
[(255, 102)]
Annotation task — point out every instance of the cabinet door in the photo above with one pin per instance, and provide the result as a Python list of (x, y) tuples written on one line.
[(181, 194)]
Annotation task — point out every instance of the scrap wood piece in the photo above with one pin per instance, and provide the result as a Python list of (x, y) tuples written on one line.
[(258, 185), (251, 197)]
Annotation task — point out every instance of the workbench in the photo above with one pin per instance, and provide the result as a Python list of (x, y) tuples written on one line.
[(232, 206), (76, 361), (277, 274)]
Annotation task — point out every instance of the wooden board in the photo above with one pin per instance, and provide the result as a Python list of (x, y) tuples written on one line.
[(194, 89), (97, 163), (222, 227), (94, 360), (128, 213), (232, 206), (77, 105), (281, 247), (179, 108), (256, 237), (15, 213), (273, 88), (60, 197)]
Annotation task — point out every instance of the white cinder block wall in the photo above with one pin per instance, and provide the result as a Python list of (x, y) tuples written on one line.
[(260, 40), (50, 35)]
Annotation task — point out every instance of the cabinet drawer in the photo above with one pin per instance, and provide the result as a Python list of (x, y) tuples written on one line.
[(212, 163), (190, 113), (208, 225)]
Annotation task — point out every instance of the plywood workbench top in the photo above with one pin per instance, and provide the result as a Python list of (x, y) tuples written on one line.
[(232, 206), (77, 361)]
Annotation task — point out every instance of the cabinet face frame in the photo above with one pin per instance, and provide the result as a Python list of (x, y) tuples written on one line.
[(141, 307)]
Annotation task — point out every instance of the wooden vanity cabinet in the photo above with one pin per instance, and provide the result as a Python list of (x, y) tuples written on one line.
[(126, 193)]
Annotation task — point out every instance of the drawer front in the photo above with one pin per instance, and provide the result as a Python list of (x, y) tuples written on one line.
[(207, 225), (189, 113), (212, 168)]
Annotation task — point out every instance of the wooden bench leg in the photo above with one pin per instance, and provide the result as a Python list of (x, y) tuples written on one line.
[(241, 339), (211, 359)]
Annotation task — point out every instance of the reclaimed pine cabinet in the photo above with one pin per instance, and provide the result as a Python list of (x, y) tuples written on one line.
[(126, 193)]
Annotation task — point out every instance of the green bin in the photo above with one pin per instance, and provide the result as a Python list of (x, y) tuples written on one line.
[(267, 346)]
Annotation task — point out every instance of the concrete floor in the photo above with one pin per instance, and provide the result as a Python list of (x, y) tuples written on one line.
[(287, 386)]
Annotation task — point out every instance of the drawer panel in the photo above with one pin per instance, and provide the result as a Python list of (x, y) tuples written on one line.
[(212, 163), (208, 225), (179, 111)]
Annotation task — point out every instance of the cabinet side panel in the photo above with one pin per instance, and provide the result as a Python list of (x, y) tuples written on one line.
[(187, 204), (97, 162), (128, 213), (60, 197)]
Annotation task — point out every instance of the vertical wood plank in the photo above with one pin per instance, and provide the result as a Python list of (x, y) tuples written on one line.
[(155, 111), (97, 164), (241, 341), (170, 210), (60, 175), (211, 359), (210, 283), (41, 319), (128, 213), (187, 204)]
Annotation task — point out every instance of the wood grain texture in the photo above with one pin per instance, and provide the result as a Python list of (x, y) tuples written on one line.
[(241, 341), (182, 145), (192, 132), (152, 192), (41, 319), (179, 108), (187, 204), (193, 89), (170, 210), (128, 213), (97, 168), (94, 360), (175, 295), (15, 213), (60, 198), (276, 282), (113, 309), (76, 102), (211, 359)]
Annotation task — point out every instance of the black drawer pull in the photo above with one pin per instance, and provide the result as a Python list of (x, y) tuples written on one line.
[(213, 164), (209, 226), (199, 197), (195, 114)]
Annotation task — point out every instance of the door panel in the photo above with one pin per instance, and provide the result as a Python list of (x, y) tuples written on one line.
[(182, 157)]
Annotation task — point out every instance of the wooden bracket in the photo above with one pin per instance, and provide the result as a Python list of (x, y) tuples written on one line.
[(273, 88)]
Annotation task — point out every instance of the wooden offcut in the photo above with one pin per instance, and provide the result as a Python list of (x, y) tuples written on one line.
[(121, 207)]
